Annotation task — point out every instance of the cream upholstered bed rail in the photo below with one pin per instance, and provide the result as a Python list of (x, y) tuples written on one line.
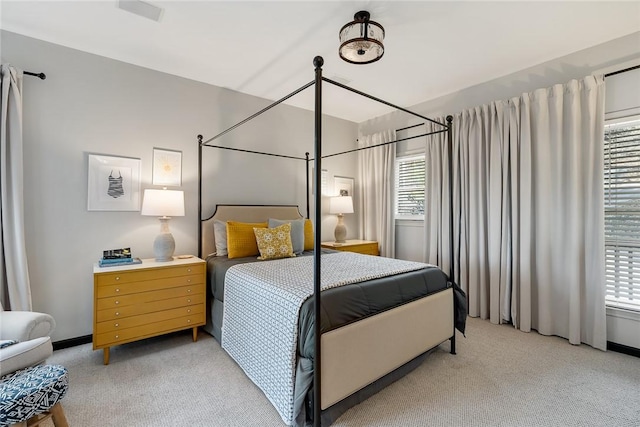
[(243, 213)]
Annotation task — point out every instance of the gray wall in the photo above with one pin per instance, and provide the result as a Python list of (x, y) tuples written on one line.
[(560, 70), (91, 104)]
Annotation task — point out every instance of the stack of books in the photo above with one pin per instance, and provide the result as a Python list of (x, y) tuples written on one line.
[(115, 257)]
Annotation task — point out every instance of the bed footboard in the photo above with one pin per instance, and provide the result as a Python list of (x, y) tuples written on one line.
[(356, 355)]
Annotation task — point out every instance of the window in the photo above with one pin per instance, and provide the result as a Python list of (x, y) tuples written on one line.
[(410, 178), (622, 213)]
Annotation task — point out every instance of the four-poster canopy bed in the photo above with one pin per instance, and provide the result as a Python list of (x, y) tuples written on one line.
[(378, 316)]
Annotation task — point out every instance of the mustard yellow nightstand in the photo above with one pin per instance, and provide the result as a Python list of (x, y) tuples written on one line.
[(139, 301), (366, 247)]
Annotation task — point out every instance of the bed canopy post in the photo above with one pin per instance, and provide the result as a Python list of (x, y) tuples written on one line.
[(200, 254), (306, 155), (450, 161), (452, 269), (318, 61)]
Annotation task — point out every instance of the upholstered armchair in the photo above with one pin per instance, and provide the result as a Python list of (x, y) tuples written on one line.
[(30, 391), (24, 339)]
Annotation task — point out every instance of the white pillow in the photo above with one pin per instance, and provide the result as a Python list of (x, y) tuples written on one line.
[(220, 235)]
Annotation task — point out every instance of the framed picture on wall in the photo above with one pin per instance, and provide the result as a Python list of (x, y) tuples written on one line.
[(167, 167), (343, 186), (114, 183)]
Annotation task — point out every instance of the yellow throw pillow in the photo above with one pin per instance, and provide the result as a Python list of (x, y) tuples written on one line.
[(308, 235), (241, 240), (274, 242)]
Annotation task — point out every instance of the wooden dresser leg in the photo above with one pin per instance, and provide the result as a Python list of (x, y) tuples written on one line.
[(105, 355), (57, 413), (195, 334)]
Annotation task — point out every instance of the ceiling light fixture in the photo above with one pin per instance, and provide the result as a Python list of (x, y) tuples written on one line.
[(361, 40)]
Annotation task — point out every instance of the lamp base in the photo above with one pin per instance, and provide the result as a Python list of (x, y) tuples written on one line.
[(164, 245), (340, 233)]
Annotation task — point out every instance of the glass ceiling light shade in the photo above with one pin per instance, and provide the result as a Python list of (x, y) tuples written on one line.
[(361, 40)]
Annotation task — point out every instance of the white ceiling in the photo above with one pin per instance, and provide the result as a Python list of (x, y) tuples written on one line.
[(266, 48)]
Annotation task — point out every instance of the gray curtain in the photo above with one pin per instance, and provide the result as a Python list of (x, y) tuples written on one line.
[(529, 210), (15, 289), (437, 205), (376, 195)]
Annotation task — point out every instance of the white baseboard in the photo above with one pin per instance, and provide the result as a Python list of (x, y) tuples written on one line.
[(623, 327)]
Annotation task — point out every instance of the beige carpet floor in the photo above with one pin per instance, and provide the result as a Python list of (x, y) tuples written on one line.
[(500, 377)]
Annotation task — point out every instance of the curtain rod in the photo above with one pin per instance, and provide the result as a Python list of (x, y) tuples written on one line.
[(41, 76), (613, 73)]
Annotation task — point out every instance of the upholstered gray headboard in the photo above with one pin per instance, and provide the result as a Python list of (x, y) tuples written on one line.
[(242, 213)]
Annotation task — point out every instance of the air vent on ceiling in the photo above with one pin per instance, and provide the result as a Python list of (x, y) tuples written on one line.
[(140, 8)]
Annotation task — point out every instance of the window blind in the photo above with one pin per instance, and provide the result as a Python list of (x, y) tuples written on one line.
[(622, 214), (410, 179)]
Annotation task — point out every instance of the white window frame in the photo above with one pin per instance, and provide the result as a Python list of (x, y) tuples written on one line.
[(622, 248), (398, 163)]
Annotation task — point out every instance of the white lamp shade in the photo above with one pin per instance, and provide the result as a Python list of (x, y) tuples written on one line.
[(340, 205), (163, 203)]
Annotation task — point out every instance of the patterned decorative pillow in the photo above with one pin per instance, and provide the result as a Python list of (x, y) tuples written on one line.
[(274, 242), (308, 235), (241, 240), (297, 232), (7, 343)]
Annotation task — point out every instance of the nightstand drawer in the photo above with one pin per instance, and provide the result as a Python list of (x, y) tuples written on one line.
[(149, 307), (104, 291), (146, 297), (368, 249), (149, 274), (365, 247), (144, 331), (145, 319)]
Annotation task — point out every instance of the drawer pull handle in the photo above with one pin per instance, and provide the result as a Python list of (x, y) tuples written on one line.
[(117, 313), (117, 277), (188, 270), (188, 290), (188, 280), (116, 325), (188, 320), (188, 300), (188, 311), (117, 336), (117, 302), (118, 290)]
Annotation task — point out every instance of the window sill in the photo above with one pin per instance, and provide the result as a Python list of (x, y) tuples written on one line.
[(623, 313), (401, 222)]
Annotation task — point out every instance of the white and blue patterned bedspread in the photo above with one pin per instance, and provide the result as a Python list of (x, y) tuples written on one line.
[(261, 305)]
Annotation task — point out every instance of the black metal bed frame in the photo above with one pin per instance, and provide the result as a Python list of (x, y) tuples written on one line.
[(318, 61)]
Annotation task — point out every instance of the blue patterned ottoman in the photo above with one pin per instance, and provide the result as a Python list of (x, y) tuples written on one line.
[(31, 391)]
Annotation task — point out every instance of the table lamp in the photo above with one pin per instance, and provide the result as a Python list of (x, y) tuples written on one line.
[(340, 205), (164, 204)]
